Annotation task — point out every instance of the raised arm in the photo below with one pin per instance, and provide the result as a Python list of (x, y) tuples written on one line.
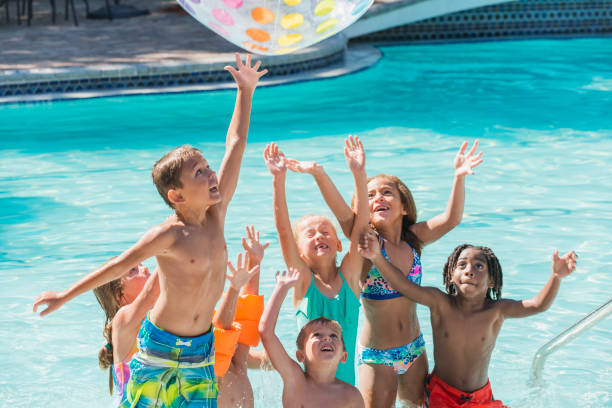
[(369, 248), (353, 261), (436, 227), (561, 267), (128, 319), (255, 250), (246, 78), (343, 213), (289, 370), (152, 243), (238, 277), (275, 161)]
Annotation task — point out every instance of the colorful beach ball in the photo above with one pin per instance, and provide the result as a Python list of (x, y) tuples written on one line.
[(274, 27)]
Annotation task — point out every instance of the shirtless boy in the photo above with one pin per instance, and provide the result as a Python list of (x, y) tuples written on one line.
[(175, 359), (320, 348), (467, 319)]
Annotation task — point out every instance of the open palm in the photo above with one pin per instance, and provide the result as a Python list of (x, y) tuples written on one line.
[(275, 159), (354, 153), (465, 162)]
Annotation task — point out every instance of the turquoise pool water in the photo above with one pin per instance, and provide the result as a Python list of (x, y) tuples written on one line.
[(75, 189)]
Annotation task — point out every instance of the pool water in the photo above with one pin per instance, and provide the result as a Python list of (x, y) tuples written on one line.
[(75, 189)]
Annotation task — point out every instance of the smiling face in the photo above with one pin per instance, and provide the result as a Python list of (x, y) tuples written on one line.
[(316, 238), (321, 342), (471, 275), (133, 282), (385, 201), (198, 183)]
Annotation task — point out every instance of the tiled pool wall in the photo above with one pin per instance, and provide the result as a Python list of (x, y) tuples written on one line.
[(515, 19), (98, 82)]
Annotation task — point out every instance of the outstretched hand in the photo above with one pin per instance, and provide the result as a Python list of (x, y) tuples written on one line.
[(246, 77), (354, 153), (309, 167), (563, 266), (465, 163), (288, 279), (53, 301), (240, 275), (275, 159), (252, 246), (369, 246)]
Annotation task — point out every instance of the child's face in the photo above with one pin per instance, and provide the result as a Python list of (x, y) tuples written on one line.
[(471, 275), (323, 344), (385, 201), (316, 238), (133, 282), (199, 181)]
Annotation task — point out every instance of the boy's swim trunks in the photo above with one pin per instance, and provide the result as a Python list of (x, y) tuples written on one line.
[(170, 371), (438, 394)]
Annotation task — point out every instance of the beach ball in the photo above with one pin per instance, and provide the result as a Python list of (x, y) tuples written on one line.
[(273, 27)]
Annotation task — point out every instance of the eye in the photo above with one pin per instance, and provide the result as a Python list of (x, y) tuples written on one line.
[(371, 195), (334, 336), (387, 192), (479, 266), (198, 172)]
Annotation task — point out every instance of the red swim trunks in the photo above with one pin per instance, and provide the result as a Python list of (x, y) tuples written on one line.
[(438, 394)]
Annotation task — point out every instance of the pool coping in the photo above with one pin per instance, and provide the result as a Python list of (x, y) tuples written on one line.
[(330, 58)]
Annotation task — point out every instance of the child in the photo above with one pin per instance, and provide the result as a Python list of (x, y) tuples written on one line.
[(125, 302), (467, 319), (175, 342), (392, 360), (234, 386), (323, 288), (320, 348)]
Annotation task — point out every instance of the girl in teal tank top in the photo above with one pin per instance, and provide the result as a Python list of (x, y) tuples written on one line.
[(312, 248), (343, 308)]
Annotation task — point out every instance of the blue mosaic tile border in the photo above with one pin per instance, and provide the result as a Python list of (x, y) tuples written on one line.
[(158, 80), (517, 19)]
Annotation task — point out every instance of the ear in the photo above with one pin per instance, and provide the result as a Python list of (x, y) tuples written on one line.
[(299, 354), (175, 197), (344, 357)]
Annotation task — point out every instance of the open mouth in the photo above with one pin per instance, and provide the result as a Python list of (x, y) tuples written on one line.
[(380, 209), (321, 246), (213, 189), (327, 348)]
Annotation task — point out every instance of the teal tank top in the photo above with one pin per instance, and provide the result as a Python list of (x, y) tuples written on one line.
[(343, 308)]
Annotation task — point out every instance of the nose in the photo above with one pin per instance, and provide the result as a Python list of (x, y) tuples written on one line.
[(468, 271)]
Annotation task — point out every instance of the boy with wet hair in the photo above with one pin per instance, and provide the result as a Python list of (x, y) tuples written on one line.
[(174, 364), (320, 349), (467, 319)]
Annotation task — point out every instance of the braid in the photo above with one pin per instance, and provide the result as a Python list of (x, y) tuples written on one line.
[(449, 267), (493, 266)]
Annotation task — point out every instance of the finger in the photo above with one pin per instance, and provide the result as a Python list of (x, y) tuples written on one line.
[(231, 267), (346, 153), (462, 148), (473, 149), (245, 246), (257, 65), (248, 60), (262, 73), (266, 245), (238, 61), (46, 311), (247, 257), (232, 71), (254, 270), (474, 164), (556, 255), (256, 235), (359, 144), (239, 261)]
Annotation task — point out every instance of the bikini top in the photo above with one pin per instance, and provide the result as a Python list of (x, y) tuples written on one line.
[(376, 286)]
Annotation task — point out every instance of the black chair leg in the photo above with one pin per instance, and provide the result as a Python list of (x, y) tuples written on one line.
[(74, 16), (52, 10), (108, 11)]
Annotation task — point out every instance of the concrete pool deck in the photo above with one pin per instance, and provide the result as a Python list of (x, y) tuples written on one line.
[(160, 52)]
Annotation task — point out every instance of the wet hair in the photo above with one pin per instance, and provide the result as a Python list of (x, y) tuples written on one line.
[(321, 321), (109, 297), (167, 171), (493, 266), (306, 217), (410, 217)]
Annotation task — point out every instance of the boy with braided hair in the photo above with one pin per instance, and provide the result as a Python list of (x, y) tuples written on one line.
[(467, 319)]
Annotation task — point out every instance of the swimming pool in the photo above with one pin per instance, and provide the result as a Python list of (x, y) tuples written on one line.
[(75, 189)]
